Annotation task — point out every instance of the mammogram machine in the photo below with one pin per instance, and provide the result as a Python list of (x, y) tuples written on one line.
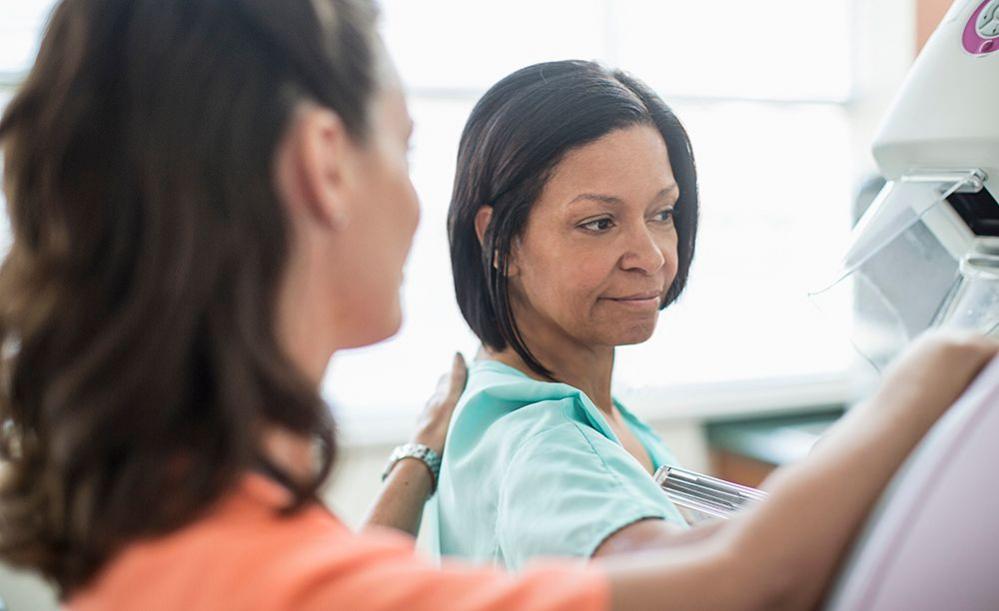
[(926, 254)]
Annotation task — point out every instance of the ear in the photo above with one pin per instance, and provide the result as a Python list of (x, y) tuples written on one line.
[(313, 166), (483, 217)]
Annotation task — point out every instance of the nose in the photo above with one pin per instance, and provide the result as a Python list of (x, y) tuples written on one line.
[(642, 252)]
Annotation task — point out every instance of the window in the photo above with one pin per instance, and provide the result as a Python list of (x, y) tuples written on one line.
[(766, 105), (765, 90), (21, 23)]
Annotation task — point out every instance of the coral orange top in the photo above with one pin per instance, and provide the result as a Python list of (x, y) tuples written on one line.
[(244, 556)]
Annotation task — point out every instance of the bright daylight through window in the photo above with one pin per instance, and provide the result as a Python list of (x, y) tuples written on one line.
[(770, 128)]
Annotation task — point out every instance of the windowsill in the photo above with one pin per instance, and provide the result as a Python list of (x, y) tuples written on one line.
[(659, 405), (755, 397), (773, 441)]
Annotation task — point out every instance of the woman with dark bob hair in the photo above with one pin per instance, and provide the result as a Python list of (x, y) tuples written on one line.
[(572, 224), (208, 199)]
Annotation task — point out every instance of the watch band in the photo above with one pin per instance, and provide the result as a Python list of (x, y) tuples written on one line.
[(424, 454)]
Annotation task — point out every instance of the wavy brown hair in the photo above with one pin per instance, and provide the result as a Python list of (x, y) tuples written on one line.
[(137, 302)]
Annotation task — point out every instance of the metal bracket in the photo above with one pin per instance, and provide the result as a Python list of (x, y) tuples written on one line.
[(971, 181)]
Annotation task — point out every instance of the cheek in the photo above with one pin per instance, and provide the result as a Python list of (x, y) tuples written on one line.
[(567, 281), (396, 211), (592, 273), (672, 264), (378, 240), (402, 202), (410, 209)]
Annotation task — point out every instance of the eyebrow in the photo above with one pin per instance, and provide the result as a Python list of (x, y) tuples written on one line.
[(610, 199)]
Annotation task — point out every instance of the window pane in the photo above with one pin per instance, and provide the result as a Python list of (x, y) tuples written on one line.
[(5, 95), (21, 24), (775, 192), (775, 177), (471, 44), (780, 49)]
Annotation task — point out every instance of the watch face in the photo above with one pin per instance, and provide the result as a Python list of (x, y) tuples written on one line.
[(981, 32)]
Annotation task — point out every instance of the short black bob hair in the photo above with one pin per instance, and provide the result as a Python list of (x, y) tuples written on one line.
[(516, 135)]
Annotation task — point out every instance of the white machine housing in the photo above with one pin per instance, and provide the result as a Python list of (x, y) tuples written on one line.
[(946, 117), (937, 218), (933, 542)]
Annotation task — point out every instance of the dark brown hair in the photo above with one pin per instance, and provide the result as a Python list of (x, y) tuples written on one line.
[(515, 137), (137, 303)]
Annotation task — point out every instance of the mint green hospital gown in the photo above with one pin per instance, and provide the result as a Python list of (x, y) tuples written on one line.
[(532, 469)]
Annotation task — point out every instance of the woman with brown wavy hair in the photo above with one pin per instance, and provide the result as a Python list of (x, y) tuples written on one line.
[(208, 199)]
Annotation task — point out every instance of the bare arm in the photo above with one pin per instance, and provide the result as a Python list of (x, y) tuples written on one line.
[(782, 554), (399, 504), (654, 534)]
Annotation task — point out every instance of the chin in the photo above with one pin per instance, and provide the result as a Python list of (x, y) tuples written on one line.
[(370, 329), (635, 334)]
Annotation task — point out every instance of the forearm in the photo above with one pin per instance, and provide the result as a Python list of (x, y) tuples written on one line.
[(654, 534), (816, 506), (780, 554), (697, 576), (409, 484), (400, 502)]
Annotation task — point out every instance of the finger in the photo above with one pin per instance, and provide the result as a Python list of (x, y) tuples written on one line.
[(459, 375), (451, 384), (443, 384)]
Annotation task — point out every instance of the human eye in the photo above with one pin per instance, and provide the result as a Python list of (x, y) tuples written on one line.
[(599, 225), (664, 216)]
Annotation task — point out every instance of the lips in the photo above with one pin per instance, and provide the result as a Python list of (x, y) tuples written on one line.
[(646, 302), (645, 296)]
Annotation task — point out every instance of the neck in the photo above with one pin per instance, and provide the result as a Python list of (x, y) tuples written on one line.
[(303, 314), (306, 337), (291, 453), (587, 368)]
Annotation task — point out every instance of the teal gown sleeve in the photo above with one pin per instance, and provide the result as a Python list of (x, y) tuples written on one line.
[(566, 489)]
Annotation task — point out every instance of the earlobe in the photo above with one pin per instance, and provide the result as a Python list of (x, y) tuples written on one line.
[(512, 268)]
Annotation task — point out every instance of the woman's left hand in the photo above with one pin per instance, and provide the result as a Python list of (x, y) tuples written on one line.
[(433, 422)]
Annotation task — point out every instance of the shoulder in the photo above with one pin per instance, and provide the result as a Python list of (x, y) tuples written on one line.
[(502, 405), (254, 554)]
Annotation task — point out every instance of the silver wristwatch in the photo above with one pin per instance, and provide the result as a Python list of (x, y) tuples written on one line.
[(424, 454)]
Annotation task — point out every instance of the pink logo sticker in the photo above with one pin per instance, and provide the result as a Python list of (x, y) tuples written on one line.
[(981, 33)]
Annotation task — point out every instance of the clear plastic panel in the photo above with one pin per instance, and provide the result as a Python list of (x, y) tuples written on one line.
[(899, 206), (896, 277), (974, 303)]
